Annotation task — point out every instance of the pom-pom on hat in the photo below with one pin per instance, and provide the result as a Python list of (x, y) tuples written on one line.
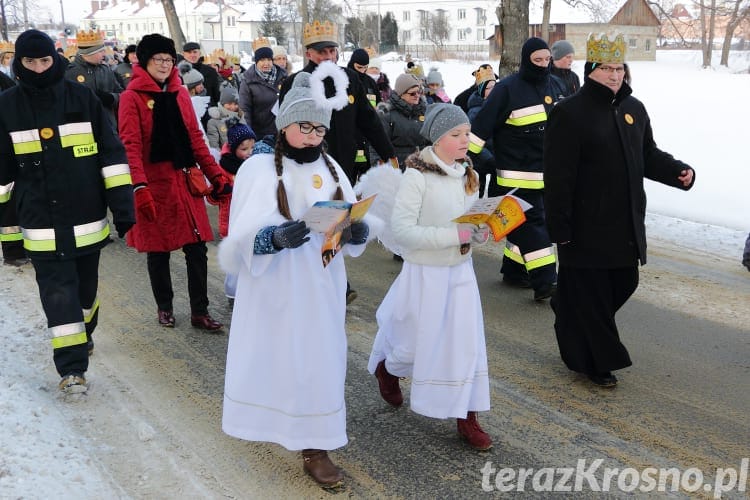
[(263, 53), (434, 76), (191, 77), (237, 132), (306, 100), (404, 82), (561, 48), (154, 44), (441, 118)]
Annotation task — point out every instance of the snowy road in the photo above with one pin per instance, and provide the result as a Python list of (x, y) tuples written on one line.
[(150, 425)]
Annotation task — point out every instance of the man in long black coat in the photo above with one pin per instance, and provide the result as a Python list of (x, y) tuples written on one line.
[(598, 148)]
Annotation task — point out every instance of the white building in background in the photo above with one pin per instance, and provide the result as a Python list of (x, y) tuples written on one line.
[(127, 21), (471, 22)]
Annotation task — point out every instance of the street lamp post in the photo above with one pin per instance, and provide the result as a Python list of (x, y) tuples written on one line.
[(62, 17)]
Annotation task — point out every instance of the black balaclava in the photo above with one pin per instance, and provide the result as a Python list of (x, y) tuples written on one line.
[(35, 44), (530, 71)]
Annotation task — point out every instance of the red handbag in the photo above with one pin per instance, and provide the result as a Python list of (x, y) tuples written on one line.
[(196, 182)]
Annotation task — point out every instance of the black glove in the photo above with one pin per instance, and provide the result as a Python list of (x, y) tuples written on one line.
[(360, 231), (108, 100), (290, 234), (123, 227)]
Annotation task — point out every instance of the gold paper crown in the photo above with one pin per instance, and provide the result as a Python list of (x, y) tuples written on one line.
[(319, 32), (260, 42), (89, 38), (370, 52), (603, 51), (7, 47), (70, 51)]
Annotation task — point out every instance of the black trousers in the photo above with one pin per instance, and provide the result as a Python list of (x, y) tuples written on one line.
[(585, 306), (196, 260), (67, 289), (530, 236)]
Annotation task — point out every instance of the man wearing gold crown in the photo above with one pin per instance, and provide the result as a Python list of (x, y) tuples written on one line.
[(514, 116), (598, 148), (87, 68)]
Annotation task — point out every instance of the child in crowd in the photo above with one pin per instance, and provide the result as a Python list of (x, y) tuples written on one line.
[(229, 107), (430, 324), (286, 359), (435, 91)]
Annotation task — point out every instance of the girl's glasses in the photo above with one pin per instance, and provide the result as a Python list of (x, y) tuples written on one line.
[(307, 127)]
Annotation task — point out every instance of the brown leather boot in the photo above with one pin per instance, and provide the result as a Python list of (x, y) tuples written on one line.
[(317, 464), (469, 429), (388, 385)]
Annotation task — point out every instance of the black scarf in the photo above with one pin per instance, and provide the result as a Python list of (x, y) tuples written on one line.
[(304, 155), (411, 111), (170, 140)]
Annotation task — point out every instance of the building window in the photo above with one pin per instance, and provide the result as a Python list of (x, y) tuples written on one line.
[(632, 43), (145, 27), (407, 15), (231, 21), (406, 35), (423, 35), (161, 26), (153, 26), (462, 13), (481, 17), (422, 15), (460, 35), (480, 34), (647, 46)]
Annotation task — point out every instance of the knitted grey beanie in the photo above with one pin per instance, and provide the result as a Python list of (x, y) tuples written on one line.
[(300, 106), (560, 49), (440, 118)]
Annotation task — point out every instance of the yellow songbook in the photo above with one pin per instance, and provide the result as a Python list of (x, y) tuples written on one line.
[(501, 213)]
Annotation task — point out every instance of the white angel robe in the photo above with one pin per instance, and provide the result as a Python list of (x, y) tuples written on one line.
[(286, 359), (430, 324)]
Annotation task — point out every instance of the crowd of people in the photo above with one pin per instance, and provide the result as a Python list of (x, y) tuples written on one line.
[(159, 134)]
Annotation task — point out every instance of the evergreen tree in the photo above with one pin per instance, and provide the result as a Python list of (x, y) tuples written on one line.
[(388, 33), (272, 24)]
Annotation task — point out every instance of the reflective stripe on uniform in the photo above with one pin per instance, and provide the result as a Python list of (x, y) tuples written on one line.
[(88, 314), (10, 233), (43, 240), (116, 175), (26, 141), (5, 192), (539, 258), (475, 144), (520, 179), (76, 134), (531, 260), (68, 335), (527, 116)]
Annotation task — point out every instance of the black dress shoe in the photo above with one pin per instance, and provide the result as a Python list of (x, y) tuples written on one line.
[(517, 282), (545, 291), (605, 379), (205, 322), (166, 319)]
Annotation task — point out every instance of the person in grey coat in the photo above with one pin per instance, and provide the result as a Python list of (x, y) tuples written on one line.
[(259, 91)]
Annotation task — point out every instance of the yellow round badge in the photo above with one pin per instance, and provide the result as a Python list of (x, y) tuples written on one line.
[(47, 133), (150, 104), (127, 75), (351, 99), (421, 118), (629, 119), (547, 99), (81, 78), (317, 181)]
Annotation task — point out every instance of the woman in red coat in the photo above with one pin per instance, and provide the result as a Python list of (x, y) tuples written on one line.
[(162, 137)]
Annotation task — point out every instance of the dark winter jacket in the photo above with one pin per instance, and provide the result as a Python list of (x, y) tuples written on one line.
[(64, 166), (99, 78), (598, 148), (257, 98), (357, 115), (211, 81), (402, 122), (181, 218), (124, 72), (568, 77), (514, 116), (462, 99)]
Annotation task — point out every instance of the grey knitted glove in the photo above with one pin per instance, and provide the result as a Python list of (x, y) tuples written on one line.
[(290, 234)]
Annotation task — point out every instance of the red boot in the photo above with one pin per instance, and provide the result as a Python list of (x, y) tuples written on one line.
[(469, 429), (388, 385)]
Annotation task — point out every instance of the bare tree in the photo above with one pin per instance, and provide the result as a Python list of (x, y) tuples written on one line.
[(601, 11), (173, 21), (546, 7), (15, 15), (513, 16), (436, 29), (708, 27), (738, 11)]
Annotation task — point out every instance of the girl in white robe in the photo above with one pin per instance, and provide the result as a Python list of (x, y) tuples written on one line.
[(430, 325), (286, 359)]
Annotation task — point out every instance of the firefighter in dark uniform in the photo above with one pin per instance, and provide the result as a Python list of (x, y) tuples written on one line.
[(514, 116), (358, 117), (63, 166)]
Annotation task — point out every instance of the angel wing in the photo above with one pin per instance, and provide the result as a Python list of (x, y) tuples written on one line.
[(382, 180)]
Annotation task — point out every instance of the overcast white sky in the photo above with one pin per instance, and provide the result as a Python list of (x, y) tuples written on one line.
[(74, 10)]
